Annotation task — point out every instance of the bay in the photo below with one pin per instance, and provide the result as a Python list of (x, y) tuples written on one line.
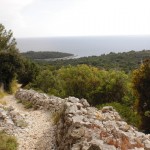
[(85, 46)]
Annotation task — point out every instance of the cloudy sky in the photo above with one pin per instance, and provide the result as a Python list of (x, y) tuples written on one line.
[(45, 18)]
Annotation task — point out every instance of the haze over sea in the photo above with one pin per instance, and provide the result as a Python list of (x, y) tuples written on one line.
[(85, 46)]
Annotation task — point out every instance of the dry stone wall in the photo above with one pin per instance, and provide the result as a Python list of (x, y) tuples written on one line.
[(81, 127), (40, 100)]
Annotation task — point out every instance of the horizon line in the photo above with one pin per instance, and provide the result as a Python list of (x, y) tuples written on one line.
[(134, 35)]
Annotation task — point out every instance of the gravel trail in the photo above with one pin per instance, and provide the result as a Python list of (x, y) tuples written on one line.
[(39, 132)]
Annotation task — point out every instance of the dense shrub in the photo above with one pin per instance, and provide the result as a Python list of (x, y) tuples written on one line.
[(48, 83), (141, 81), (11, 63), (112, 88), (82, 81), (28, 72)]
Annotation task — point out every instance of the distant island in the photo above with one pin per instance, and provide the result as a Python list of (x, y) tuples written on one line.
[(47, 55)]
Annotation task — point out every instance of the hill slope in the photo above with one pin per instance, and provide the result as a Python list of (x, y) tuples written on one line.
[(126, 61)]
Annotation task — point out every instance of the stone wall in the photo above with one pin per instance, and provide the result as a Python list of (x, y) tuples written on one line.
[(81, 127), (40, 100)]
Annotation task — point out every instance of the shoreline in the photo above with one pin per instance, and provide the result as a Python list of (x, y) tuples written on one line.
[(55, 59)]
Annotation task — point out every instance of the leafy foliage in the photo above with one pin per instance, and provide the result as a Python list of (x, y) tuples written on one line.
[(10, 59), (126, 61), (141, 81), (113, 87), (28, 72), (13, 65), (10, 64), (7, 42), (48, 83), (82, 81)]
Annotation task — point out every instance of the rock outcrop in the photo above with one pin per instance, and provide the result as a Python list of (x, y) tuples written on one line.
[(81, 127), (10, 120)]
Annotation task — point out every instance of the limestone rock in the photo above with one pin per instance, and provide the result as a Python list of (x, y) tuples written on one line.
[(81, 127)]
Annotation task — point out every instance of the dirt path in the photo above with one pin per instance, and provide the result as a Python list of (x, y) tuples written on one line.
[(39, 133)]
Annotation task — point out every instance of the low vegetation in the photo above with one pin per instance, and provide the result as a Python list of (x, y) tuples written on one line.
[(2, 94), (3, 102), (56, 117), (26, 104), (7, 142)]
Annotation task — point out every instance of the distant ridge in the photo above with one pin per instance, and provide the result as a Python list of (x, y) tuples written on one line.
[(126, 61), (45, 55)]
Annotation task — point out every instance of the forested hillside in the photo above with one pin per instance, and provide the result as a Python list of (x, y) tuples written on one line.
[(126, 61)]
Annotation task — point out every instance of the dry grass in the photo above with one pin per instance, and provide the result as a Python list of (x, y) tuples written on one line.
[(57, 116), (2, 94), (7, 142), (14, 86), (3, 102)]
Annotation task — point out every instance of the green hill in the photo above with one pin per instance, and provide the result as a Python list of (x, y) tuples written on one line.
[(126, 61)]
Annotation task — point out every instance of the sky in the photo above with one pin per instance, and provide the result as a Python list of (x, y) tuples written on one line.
[(48, 18)]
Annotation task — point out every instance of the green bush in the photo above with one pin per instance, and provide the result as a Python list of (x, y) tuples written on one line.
[(127, 113), (83, 81), (7, 142), (141, 85)]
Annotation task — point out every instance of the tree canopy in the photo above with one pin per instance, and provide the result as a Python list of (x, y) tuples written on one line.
[(141, 81), (125, 61), (7, 42), (10, 59)]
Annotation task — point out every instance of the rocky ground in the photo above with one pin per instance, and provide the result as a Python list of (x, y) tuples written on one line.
[(82, 127), (33, 129), (78, 126)]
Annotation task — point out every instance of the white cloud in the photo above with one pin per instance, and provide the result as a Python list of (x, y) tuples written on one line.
[(10, 13), (76, 17)]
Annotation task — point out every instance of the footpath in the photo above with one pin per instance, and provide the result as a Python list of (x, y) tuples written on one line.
[(33, 129)]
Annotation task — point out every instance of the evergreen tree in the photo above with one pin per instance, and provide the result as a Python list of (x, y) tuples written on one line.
[(141, 81), (10, 59)]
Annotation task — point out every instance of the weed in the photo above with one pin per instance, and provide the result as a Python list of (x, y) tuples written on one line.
[(2, 94), (3, 102), (56, 117), (13, 86), (18, 100), (28, 104), (7, 142)]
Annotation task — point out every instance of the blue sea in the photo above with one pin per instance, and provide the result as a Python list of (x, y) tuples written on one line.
[(85, 46)]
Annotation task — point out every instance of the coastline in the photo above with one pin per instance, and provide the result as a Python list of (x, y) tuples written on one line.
[(55, 59)]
